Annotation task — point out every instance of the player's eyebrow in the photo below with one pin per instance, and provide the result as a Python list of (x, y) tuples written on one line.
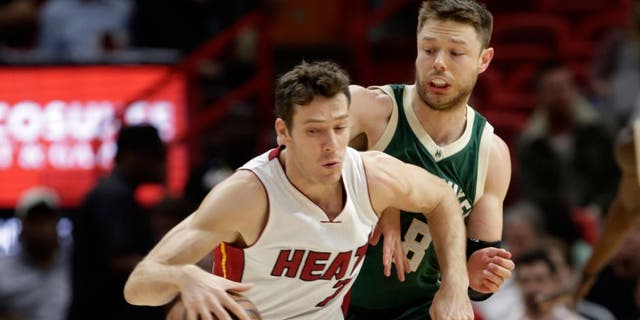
[(453, 39), (319, 120)]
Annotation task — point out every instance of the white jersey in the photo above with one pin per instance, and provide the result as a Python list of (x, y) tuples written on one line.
[(303, 264)]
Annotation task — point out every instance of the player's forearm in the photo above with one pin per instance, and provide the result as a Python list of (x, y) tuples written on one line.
[(449, 238), (620, 220), (154, 284)]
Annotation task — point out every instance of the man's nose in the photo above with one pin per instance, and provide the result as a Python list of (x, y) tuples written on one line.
[(439, 63), (331, 142)]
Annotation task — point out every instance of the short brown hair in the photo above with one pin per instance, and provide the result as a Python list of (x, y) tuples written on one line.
[(305, 81), (463, 11)]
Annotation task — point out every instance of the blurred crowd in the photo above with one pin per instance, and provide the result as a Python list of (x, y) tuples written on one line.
[(109, 31), (565, 175)]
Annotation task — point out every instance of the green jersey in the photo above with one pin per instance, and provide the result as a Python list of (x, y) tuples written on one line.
[(463, 164)]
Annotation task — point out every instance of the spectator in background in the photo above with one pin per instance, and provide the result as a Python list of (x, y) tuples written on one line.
[(565, 276), (183, 24), (617, 68), (18, 23), (83, 31), (35, 284), (566, 166), (565, 150), (622, 220), (523, 231), (112, 232), (536, 275), (167, 213), (524, 227), (619, 276)]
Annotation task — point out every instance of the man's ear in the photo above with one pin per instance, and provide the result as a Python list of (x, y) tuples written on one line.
[(282, 131), (485, 59)]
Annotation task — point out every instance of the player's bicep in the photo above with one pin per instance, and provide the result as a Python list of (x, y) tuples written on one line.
[(485, 220), (405, 186), (184, 244), (217, 220), (424, 191)]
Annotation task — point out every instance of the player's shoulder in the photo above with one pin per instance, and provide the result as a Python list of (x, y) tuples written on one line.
[(379, 166), (499, 149), (241, 194), (242, 189), (375, 157), (373, 92), (362, 97), (245, 180)]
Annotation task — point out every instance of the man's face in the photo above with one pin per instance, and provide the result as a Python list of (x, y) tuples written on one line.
[(449, 59), (317, 140), (519, 237), (534, 279), (151, 166), (39, 233), (557, 91)]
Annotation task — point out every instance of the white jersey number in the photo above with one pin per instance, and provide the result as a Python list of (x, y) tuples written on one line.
[(416, 241)]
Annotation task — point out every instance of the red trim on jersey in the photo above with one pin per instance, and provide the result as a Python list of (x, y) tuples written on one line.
[(228, 262), (345, 303), (275, 152)]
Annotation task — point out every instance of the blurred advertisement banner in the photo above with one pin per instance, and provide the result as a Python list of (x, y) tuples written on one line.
[(58, 125)]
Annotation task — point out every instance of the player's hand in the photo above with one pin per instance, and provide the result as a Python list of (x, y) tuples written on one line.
[(488, 268), (203, 294), (392, 250), (451, 304)]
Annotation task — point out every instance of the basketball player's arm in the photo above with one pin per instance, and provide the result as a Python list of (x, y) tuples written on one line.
[(488, 265), (229, 213), (623, 215), (369, 114), (393, 183)]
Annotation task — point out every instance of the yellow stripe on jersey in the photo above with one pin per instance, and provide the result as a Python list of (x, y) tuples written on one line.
[(223, 252)]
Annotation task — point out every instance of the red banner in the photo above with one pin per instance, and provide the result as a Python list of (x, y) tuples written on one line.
[(58, 125)]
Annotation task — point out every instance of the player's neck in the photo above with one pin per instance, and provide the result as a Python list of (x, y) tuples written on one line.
[(443, 126), (329, 197)]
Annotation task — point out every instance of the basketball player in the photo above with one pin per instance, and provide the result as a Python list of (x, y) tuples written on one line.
[(292, 225), (624, 213), (429, 124)]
